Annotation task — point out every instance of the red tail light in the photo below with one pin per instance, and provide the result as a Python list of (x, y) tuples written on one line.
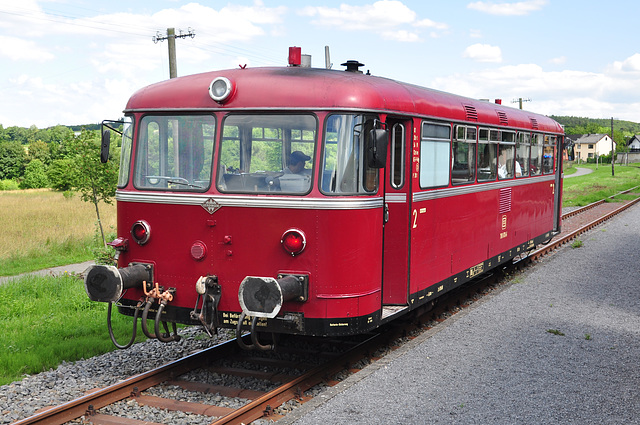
[(293, 241), (141, 232)]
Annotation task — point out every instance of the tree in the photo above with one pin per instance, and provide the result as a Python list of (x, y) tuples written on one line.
[(34, 175), (61, 174), (94, 180), (40, 150), (12, 160)]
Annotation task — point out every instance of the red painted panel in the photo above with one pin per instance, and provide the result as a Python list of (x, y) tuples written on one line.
[(246, 242)]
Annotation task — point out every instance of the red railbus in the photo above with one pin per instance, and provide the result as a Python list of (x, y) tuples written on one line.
[(318, 202)]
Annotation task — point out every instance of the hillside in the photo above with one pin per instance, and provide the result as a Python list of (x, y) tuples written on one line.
[(582, 125)]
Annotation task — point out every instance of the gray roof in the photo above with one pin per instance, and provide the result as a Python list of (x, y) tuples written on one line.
[(590, 139)]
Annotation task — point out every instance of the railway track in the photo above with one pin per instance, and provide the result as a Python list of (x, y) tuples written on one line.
[(298, 365)]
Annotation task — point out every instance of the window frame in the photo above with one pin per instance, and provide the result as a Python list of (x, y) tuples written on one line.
[(441, 165)]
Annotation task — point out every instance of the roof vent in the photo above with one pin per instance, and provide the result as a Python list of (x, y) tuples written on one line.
[(472, 113), (534, 123), (353, 66), (502, 117)]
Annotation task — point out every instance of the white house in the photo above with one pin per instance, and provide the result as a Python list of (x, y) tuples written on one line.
[(592, 145), (634, 144)]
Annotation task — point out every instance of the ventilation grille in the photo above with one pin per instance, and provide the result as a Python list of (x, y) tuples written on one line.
[(503, 118), (505, 200), (534, 123), (472, 114)]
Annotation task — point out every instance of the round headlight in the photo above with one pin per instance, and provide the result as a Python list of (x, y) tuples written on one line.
[(220, 89)]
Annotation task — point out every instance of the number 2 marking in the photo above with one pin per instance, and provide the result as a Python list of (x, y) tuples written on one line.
[(415, 218)]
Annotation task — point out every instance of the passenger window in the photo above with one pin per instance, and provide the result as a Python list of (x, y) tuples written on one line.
[(549, 150), (536, 155), (487, 155), (463, 167), (435, 155), (523, 144), (506, 168)]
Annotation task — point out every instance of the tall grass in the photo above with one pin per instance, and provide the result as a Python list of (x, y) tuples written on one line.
[(42, 228), (45, 320), (600, 184)]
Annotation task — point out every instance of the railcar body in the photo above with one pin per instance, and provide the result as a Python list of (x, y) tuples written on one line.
[(217, 229)]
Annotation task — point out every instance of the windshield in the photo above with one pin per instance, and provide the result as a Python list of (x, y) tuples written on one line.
[(345, 169), (267, 153), (175, 152)]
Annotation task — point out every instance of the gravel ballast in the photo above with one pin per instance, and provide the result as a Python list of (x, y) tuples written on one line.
[(560, 344)]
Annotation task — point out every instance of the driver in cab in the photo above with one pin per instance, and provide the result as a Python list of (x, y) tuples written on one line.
[(297, 162)]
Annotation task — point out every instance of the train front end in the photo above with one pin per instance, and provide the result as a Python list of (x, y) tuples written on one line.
[(234, 215)]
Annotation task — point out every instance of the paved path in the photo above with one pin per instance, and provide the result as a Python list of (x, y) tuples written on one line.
[(581, 172), (53, 271), (560, 345)]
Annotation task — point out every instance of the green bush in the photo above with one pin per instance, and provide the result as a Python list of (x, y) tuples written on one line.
[(9, 185), (35, 176)]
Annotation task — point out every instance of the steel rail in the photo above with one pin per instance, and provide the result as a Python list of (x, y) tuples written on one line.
[(572, 235), (123, 389)]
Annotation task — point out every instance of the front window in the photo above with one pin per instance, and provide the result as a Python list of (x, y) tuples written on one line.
[(175, 152), (125, 154), (345, 169), (267, 153)]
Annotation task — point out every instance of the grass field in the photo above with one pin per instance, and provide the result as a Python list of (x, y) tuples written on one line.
[(600, 184), (42, 228), (46, 320)]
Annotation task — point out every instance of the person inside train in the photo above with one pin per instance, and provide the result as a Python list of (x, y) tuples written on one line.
[(296, 163)]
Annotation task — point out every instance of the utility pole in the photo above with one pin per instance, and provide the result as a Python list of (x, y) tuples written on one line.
[(171, 37), (520, 100), (613, 151)]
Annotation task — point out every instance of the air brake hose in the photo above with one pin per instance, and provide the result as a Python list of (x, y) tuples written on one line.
[(133, 334)]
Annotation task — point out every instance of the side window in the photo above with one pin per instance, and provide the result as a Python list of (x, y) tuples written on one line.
[(523, 144), (487, 154), (435, 155), (463, 166), (549, 150), (536, 155), (397, 156), (506, 167), (344, 166)]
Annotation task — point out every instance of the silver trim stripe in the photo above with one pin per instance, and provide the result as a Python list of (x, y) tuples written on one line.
[(252, 201), (396, 198), (477, 188)]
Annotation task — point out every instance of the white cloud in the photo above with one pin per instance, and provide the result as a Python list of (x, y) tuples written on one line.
[(388, 17), (508, 9), (18, 49), (569, 92), (483, 53), (559, 60), (631, 64)]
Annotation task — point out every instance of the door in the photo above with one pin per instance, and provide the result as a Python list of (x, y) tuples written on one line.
[(397, 197)]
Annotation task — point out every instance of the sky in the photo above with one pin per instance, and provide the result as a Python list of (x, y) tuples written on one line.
[(78, 61)]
